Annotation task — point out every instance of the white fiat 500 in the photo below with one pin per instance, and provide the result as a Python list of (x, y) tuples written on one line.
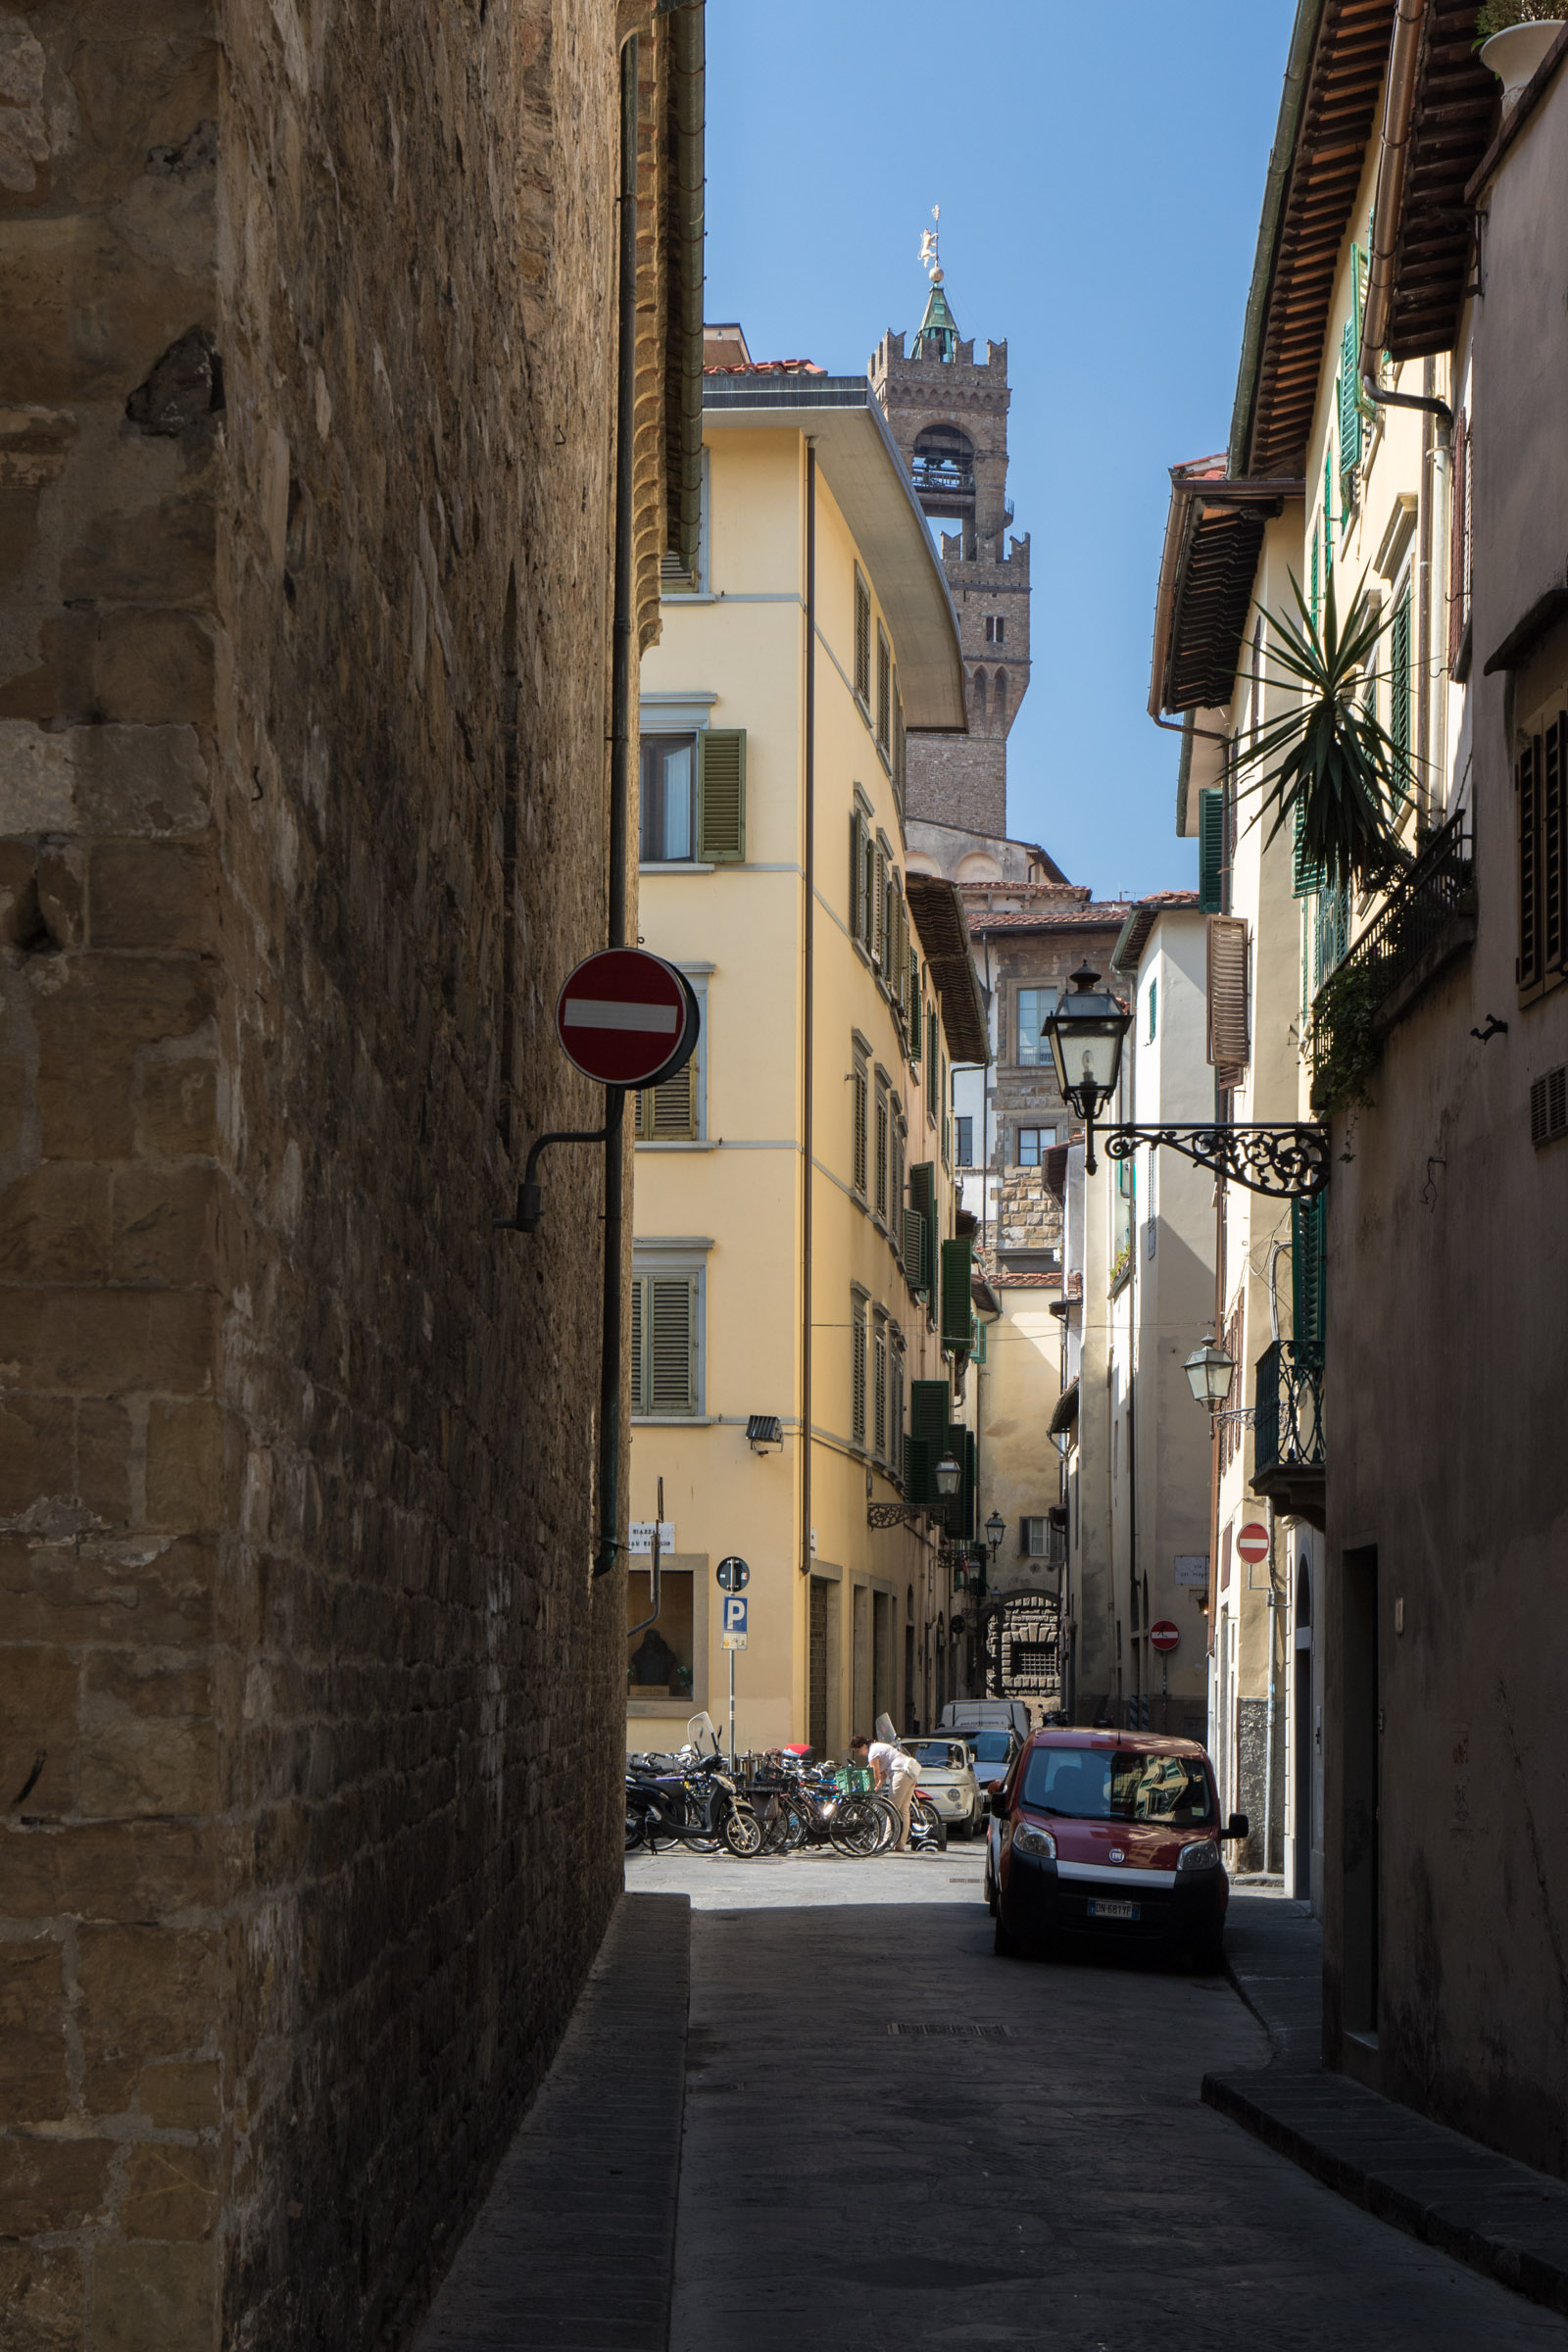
[(946, 1777)]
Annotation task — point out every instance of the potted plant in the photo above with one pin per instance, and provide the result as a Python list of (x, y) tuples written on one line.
[(1514, 37)]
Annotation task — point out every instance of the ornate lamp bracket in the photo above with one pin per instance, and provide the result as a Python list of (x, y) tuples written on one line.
[(1288, 1163)]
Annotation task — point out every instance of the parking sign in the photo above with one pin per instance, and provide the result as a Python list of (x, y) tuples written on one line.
[(734, 1606)]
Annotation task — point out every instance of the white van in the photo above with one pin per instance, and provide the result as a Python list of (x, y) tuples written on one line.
[(982, 1714)]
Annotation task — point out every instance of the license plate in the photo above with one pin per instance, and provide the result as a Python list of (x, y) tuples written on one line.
[(1101, 1908)]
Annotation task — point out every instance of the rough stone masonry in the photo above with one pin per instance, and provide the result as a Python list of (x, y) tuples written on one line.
[(308, 1702)]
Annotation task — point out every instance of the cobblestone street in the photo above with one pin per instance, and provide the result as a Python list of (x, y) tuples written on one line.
[(893, 2137)]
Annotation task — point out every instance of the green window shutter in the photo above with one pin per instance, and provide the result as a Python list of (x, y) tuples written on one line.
[(913, 1002), (1306, 876), (668, 1113), (862, 642), (1349, 404), (919, 1472), (913, 1246), (857, 828), (884, 692), (722, 795), (880, 1163), (957, 1313), (879, 1393), (1211, 851), (860, 1093), (639, 1381), (857, 1373), (1313, 599), (930, 1401), (1307, 1222), (923, 1205), (1399, 691), (1328, 516), (671, 1317), (931, 1062)]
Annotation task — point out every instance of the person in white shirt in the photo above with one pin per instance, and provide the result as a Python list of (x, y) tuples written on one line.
[(897, 1776)]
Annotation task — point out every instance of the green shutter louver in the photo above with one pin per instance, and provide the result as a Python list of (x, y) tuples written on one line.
[(914, 1246), (913, 1003), (721, 796), (671, 1319), (857, 1373), (957, 1312), (1399, 692), (856, 831), (930, 1403), (1306, 876), (1349, 404), (919, 1473), (1211, 851), (863, 641), (1313, 599), (923, 1205), (861, 1092), (1307, 1228)]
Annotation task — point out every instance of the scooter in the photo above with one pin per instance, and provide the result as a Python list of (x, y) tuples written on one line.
[(698, 1805)]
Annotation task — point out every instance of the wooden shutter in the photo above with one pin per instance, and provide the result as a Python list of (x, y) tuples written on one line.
[(1227, 997), (1308, 1220), (958, 1311), (879, 934), (668, 1113), (1553, 816), (879, 1392), (923, 1205), (920, 1471), (930, 1401), (861, 1092), (671, 1315), (639, 1383), (1306, 875), (857, 1373), (884, 691), (1527, 780), (900, 745), (1211, 851), (857, 868), (1313, 599), (913, 1002), (1399, 692), (896, 1410), (1349, 404), (721, 796), (895, 1184), (931, 1061), (913, 1248), (880, 1198), (862, 643)]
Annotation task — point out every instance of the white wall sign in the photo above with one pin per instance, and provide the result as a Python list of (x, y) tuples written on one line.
[(1192, 1568), (640, 1536)]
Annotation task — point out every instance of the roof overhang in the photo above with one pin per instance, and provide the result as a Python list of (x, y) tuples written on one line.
[(1127, 953), (859, 462), (1453, 110), (943, 933), (1067, 1414), (1333, 81), (1213, 538)]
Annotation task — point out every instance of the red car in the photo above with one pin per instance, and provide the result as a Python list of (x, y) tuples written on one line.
[(1113, 1835)]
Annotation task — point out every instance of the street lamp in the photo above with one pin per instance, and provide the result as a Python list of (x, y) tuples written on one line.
[(948, 1476), (1085, 1034), (1209, 1372), (996, 1529)]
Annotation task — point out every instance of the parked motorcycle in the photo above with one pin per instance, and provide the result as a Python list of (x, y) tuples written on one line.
[(696, 1804)]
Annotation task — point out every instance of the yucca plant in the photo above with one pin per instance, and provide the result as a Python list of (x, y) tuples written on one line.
[(1328, 767)]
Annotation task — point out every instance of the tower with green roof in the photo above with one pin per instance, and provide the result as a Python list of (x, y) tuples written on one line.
[(949, 414)]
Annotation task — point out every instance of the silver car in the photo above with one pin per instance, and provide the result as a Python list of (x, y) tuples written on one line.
[(946, 1777)]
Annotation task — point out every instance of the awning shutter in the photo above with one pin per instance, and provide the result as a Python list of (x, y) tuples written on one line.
[(1227, 997), (721, 796)]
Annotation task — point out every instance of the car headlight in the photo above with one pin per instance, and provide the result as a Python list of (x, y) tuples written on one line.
[(1203, 1854), (1029, 1838)]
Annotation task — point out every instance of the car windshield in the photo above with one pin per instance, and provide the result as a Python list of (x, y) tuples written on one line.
[(1102, 1784), (938, 1755), (990, 1747)]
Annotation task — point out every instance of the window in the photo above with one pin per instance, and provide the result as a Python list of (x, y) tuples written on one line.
[(884, 693), (862, 879), (1031, 1538), (860, 1115), (863, 641), (1541, 781), (896, 1178), (1033, 1145), (879, 907), (879, 1387), (1154, 1009), (1211, 842), (1033, 1005), (879, 1194), (857, 1368), (665, 1321), (1548, 1106), (895, 1456), (667, 831), (965, 1142), (1399, 692), (995, 629), (668, 1113)]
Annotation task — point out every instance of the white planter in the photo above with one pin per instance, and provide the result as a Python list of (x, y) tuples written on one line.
[(1514, 54)]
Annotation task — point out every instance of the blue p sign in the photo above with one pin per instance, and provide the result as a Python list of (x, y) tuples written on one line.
[(734, 1606)]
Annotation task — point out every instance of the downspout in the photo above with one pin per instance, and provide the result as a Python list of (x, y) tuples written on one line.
[(1394, 157), (620, 692), (1274, 1256), (809, 1021)]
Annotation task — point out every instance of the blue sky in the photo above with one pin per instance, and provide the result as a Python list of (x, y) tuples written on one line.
[(1100, 171)]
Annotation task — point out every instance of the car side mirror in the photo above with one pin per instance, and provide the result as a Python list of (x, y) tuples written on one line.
[(1235, 1827), (999, 1804)]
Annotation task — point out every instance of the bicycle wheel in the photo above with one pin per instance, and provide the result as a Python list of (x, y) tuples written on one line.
[(891, 1822), (636, 1828), (932, 1828), (855, 1829)]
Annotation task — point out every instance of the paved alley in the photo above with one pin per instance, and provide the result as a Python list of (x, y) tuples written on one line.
[(894, 2138)]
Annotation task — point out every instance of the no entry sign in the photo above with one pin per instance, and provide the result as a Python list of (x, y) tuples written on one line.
[(1164, 1634), (1252, 1541), (627, 1018)]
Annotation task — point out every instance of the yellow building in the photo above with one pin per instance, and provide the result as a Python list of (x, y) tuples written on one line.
[(795, 1213)]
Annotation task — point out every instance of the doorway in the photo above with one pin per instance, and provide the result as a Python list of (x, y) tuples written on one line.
[(1362, 1725), (1304, 1794), (816, 1669), (909, 1661)]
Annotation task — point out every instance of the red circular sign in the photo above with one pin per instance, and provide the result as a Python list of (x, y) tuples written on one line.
[(626, 1018), (1164, 1634), (1252, 1541)]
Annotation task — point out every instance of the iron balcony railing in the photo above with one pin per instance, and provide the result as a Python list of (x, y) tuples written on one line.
[(1288, 1425), (935, 474), (1419, 919)]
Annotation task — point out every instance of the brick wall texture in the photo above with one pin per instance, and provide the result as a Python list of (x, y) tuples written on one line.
[(309, 1707)]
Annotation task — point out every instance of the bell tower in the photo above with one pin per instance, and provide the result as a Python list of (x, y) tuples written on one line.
[(949, 414)]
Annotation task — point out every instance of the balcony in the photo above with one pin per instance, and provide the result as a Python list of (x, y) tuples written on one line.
[(1427, 919), (1288, 1459)]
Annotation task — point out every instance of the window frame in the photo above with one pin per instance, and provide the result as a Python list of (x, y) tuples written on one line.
[(860, 644), (653, 1260), (698, 975), (649, 740), (1041, 1059), (1041, 1149)]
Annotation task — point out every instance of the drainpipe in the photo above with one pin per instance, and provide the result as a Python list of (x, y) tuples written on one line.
[(807, 1023), (620, 693), (1394, 159), (1274, 1255)]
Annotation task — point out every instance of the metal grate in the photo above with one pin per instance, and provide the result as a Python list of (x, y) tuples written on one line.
[(1548, 1106)]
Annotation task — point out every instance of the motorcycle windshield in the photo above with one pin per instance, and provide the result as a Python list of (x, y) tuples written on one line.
[(701, 1735)]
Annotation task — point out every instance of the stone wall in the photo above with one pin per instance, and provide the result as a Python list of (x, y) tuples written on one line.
[(309, 1707)]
